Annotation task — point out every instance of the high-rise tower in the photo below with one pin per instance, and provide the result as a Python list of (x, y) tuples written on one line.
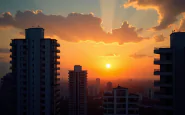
[(34, 64), (77, 91), (172, 76)]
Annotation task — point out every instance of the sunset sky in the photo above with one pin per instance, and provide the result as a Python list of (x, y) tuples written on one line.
[(93, 33)]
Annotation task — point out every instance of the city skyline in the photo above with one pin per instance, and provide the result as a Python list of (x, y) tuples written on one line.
[(129, 50)]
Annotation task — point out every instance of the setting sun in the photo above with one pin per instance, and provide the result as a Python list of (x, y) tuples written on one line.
[(108, 65)]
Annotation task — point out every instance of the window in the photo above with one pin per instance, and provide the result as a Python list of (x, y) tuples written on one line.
[(43, 107), (43, 89), (42, 101), (42, 95), (24, 113)]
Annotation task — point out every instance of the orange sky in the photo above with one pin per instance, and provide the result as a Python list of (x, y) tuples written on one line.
[(135, 27)]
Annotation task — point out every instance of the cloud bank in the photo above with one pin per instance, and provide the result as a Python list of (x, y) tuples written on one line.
[(75, 27), (137, 56), (159, 38), (168, 10)]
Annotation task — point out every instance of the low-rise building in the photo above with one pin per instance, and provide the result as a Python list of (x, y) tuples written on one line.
[(120, 102)]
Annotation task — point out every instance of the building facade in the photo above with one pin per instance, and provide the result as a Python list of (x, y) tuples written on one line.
[(98, 85), (120, 102), (35, 65), (108, 87), (8, 95), (171, 72), (77, 91), (92, 90)]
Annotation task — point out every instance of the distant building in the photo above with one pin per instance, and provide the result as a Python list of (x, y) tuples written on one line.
[(108, 87), (98, 85), (78, 91), (172, 80), (140, 96), (64, 90), (149, 93), (120, 102), (34, 65), (92, 90)]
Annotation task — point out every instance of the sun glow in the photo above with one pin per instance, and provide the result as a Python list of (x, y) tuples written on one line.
[(108, 65)]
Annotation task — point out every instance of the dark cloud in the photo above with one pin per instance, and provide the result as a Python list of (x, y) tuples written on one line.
[(4, 50), (168, 10), (139, 56), (159, 38), (74, 27)]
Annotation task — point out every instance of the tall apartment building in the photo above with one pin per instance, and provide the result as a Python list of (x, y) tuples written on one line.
[(98, 85), (92, 90), (108, 87), (120, 102), (8, 95), (78, 91), (172, 80), (34, 64)]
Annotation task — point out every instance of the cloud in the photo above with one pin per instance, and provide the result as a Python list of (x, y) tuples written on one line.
[(139, 56), (159, 38), (182, 24), (111, 55), (168, 10), (75, 27), (4, 50)]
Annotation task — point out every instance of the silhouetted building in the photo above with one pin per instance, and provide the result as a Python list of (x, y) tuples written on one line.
[(34, 65), (149, 93), (98, 85), (78, 91), (92, 90), (64, 90), (172, 80), (109, 87), (8, 95), (120, 102)]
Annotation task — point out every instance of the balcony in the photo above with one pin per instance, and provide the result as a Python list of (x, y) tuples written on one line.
[(58, 68), (158, 72), (57, 79), (57, 62), (162, 50), (57, 73), (57, 57), (58, 45), (158, 83), (160, 94), (58, 51), (158, 61)]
